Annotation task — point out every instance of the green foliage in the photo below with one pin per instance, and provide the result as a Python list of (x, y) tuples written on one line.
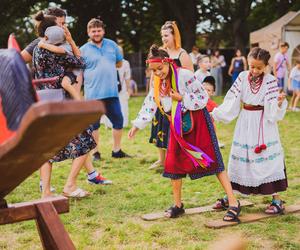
[(15, 18), (267, 11), (110, 218)]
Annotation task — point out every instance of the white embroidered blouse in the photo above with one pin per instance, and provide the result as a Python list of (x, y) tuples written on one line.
[(194, 97), (240, 92)]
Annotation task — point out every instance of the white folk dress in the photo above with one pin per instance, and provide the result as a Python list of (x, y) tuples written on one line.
[(249, 172)]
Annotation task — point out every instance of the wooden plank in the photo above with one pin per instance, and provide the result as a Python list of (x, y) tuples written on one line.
[(190, 211), (51, 230), (247, 218), (27, 210), (44, 130)]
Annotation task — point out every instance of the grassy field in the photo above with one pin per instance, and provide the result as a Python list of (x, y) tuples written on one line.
[(110, 218)]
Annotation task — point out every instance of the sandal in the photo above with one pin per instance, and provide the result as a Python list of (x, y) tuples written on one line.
[(77, 193), (276, 207), (233, 213), (174, 211), (221, 204), (156, 164)]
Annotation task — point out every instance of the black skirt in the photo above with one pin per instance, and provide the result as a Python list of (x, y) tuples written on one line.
[(160, 130), (264, 189)]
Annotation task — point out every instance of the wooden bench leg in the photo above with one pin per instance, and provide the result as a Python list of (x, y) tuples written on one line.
[(3, 203), (51, 230)]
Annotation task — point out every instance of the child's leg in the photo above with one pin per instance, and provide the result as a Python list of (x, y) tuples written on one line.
[(78, 85), (177, 209), (297, 98), (45, 172), (162, 155), (176, 185), (96, 138), (234, 208), (224, 180), (66, 84), (292, 99), (77, 164)]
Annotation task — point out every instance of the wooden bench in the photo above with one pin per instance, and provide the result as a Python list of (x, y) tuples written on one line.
[(44, 130)]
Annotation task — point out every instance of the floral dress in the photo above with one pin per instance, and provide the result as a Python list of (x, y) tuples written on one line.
[(47, 64)]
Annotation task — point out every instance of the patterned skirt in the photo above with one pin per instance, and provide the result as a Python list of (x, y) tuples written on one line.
[(160, 130), (203, 136), (78, 146)]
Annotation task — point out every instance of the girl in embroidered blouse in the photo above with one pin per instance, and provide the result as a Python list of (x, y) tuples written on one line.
[(256, 161), (193, 146)]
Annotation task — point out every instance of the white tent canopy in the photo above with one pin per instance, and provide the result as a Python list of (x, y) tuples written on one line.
[(285, 29)]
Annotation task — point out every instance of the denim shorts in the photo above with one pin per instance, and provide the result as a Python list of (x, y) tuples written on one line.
[(295, 85), (113, 113)]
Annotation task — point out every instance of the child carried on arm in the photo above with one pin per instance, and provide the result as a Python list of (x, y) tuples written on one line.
[(59, 41)]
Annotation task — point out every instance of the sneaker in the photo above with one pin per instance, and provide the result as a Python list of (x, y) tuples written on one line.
[(96, 156), (99, 180), (221, 145), (52, 189), (119, 154)]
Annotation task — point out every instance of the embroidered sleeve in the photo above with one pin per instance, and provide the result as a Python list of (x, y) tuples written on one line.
[(230, 108), (147, 111), (194, 95), (273, 112)]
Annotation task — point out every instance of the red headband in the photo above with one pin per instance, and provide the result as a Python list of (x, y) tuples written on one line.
[(159, 60)]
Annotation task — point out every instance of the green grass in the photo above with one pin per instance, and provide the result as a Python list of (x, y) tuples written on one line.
[(110, 218)]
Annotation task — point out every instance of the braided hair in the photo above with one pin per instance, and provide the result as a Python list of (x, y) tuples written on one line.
[(260, 54)]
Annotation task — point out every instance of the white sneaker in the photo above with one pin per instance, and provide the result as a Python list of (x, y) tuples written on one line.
[(221, 145)]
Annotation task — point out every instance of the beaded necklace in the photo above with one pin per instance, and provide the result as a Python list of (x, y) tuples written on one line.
[(255, 82)]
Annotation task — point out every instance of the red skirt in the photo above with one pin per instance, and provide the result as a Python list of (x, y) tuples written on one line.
[(203, 136)]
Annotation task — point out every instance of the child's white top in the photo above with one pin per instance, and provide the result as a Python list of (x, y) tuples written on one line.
[(200, 75), (295, 74), (194, 97)]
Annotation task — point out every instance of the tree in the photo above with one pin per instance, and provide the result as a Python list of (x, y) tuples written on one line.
[(82, 11), (15, 18), (186, 14), (231, 18), (268, 11)]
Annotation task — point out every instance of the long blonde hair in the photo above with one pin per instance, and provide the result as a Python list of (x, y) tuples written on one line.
[(172, 26)]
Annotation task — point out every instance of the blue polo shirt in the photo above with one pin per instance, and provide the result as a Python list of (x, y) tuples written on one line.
[(100, 73)]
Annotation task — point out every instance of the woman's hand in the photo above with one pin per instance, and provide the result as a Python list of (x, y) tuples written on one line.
[(132, 132), (68, 35), (41, 43), (175, 95), (281, 98)]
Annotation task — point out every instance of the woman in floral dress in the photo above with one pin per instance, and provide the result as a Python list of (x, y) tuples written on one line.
[(46, 65)]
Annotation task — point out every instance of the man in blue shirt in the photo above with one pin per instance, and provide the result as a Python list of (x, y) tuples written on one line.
[(102, 56)]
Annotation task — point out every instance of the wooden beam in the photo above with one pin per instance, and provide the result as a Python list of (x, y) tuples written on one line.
[(51, 230), (27, 210)]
